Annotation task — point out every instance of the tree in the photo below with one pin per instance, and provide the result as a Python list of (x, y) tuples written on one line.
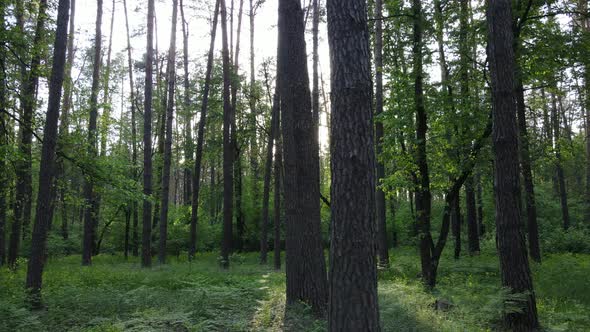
[(514, 265), (165, 194), (353, 303), (201, 136), (228, 147), (278, 168), (30, 81), (382, 245), (3, 137), (306, 269), (188, 140), (132, 97), (90, 196), (47, 168), (146, 256)]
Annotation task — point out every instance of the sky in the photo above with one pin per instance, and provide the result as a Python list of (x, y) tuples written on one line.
[(198, 14)]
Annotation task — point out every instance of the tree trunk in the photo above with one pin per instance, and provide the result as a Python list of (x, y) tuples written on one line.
[(3, 138), (514, 265), (200, 137), (90, 196), (472, 229), (267, 175), (306, 267), (188, 139), (479, 198), (165, 190), (381, 208), (315, 92), (134, 207), (253, 113), (47, 166), (353, 268), (558, 163), (456, 226), (278, 176), (228, 148), (24, 188), (146, 257)]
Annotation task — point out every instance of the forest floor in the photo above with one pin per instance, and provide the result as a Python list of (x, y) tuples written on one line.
[(117, 295)]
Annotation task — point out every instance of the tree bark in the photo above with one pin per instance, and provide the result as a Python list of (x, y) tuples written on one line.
[(47, 167), (165, 191), (188, 139), (146, 257), (456, 223), (381, 208), (200, 137), (514, 265), (558, 163), (3, 137), (306, 267), (228, 148), (278, 176), (353, 303), (90, 196), (472, 229)]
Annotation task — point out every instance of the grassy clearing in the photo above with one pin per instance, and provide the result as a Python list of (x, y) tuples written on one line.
[(115, 295)]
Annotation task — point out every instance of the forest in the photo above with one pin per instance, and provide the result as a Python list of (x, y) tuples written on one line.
[(294, 165)]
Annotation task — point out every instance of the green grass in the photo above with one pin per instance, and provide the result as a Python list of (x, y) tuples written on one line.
[(117, 295)]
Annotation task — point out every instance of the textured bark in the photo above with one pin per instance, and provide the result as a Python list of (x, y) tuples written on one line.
[(381, 208), (558, 163), (306, 267), (472, 229), (134, 207), (146, 257), (90, 197), (165, 191), (106, 112), (3, 138), (315, 92), (267, 175), (24, 188), (278, 176), (252, 98), (479, 198), (353, 303), (228, 148), (514, 265), (200, 137), (47, 166)]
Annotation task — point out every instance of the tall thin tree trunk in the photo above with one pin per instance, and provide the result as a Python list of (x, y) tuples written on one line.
[(24, 188), (514, 265), (146, 256), (228, 148), (165, 191), (134, 207), (3, 137), (479, 198), (200, 137), (381, 208), (278, 176), (558, 163), (353, 268), (186, 107), (472, 229), (456, 221), (47, 166), (90, 196), (306, 267), (253, 113)]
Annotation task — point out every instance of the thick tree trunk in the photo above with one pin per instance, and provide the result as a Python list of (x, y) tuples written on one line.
[(228, 148), (24, 188), (134, 207), (165, 190), (306, 267), (353, 303), (514, 265), (381, 208), (90, 196), (200, 138), (146, 256), (47, 167)]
